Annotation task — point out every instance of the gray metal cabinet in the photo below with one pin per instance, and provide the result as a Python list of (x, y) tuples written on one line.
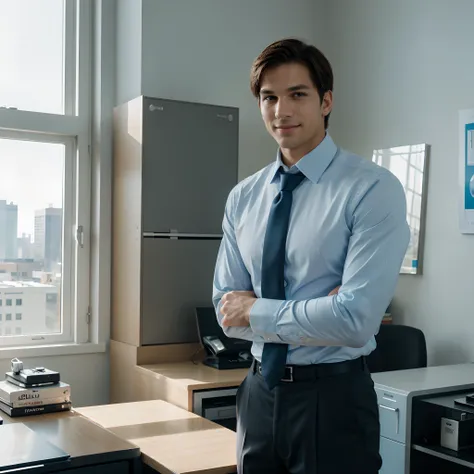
[(190, 157), (175, 163), (177, 277)]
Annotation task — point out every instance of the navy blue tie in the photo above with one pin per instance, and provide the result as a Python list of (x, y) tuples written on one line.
[(273, 264)]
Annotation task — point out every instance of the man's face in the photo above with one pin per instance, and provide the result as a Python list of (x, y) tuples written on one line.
[(291, 108)]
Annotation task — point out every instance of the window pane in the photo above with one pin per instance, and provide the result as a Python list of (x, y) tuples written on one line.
[(31, 233), (411, 178), (398, 167), (31, 55)]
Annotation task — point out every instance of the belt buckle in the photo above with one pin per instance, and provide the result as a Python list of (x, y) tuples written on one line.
[(290, 378)]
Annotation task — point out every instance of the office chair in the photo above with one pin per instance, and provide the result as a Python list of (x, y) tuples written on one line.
[(398, 347)]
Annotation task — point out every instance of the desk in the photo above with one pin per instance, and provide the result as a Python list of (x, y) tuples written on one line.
[(396, 392), (180, 383), (167, 373), (93, 450), (172, 440)]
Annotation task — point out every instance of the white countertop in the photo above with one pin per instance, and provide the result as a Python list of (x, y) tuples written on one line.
[(432, 379)]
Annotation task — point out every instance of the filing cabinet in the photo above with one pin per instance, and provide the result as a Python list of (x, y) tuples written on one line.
[(396, 391)]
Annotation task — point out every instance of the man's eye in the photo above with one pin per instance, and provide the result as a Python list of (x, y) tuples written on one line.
[(299, 94), (269, 98)]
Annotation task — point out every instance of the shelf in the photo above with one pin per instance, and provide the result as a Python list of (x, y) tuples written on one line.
[(464, 457)]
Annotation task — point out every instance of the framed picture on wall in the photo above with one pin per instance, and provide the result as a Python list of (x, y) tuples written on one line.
[(466, 171), (409, 164)]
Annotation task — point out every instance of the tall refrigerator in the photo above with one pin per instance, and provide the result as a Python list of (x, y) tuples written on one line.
[(175, 163)]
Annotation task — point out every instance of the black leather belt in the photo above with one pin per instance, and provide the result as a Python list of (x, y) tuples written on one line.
[(307, 373)]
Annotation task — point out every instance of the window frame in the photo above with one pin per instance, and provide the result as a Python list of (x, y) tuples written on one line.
[(73, 129)]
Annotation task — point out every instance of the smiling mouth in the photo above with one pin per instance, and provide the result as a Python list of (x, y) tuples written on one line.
[(286, 128)]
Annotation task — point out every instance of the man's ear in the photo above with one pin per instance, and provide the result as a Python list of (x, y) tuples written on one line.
[(327, 103)]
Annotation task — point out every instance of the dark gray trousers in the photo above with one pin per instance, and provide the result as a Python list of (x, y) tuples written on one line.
[(324, 426)]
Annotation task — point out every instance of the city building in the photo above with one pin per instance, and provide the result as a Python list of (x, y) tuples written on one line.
[(8, 230), (19, 269), (28, 308), (48, 238), (25, 246)]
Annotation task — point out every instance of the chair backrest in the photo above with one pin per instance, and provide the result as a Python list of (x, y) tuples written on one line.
[(398, 347)]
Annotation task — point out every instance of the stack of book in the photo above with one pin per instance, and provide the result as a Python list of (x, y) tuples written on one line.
[(22, 401)]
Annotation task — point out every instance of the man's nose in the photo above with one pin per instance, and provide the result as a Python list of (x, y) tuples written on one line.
[(283, 108)]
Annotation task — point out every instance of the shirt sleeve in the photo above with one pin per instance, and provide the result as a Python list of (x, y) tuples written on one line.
[(377, 245), (230, 272)]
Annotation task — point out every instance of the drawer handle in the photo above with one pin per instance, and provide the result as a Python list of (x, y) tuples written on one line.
[(396, 411)]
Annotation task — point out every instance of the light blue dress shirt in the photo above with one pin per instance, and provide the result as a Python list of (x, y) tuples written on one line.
[(347, 227)]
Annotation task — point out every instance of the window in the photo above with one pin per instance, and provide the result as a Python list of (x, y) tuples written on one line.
[(8, 317), (8, 331), (0, 316), (45, 123)]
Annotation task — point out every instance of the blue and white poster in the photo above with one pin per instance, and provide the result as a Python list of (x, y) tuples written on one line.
[(466, 158)]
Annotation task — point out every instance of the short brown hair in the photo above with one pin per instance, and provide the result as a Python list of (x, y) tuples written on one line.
[(292, 50)]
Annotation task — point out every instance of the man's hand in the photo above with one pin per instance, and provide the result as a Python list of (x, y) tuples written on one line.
[(335, 291), (236, 306)]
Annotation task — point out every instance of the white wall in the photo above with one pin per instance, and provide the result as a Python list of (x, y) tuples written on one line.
[(402, 71), (202, 51), (128, 38)]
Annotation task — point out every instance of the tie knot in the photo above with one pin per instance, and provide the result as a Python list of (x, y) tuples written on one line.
[(289, 181)]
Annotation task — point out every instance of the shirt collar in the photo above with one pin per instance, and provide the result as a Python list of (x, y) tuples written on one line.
[(312, 165)]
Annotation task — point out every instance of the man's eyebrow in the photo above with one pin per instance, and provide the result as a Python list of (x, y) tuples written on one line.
[(298, 87)]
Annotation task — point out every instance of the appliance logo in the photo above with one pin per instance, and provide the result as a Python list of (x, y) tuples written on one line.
[(152, 108), (229, 117)]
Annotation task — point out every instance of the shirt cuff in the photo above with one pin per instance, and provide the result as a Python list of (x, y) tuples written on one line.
[(263, 318)]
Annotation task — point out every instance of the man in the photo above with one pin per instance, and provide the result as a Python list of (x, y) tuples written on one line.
[(309, 261)]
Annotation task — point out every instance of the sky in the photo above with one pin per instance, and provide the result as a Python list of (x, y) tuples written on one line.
[(31, 78)]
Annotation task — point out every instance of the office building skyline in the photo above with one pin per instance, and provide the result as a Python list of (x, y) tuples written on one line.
[(43, 245)]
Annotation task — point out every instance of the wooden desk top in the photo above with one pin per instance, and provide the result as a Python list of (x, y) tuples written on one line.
[(172, 440), (195, 376), (83, 440)]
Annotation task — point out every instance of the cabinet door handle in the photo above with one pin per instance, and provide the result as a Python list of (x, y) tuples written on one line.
[(396, 411)]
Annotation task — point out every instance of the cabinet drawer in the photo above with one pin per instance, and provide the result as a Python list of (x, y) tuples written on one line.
[(392, 412), (393, 456)]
